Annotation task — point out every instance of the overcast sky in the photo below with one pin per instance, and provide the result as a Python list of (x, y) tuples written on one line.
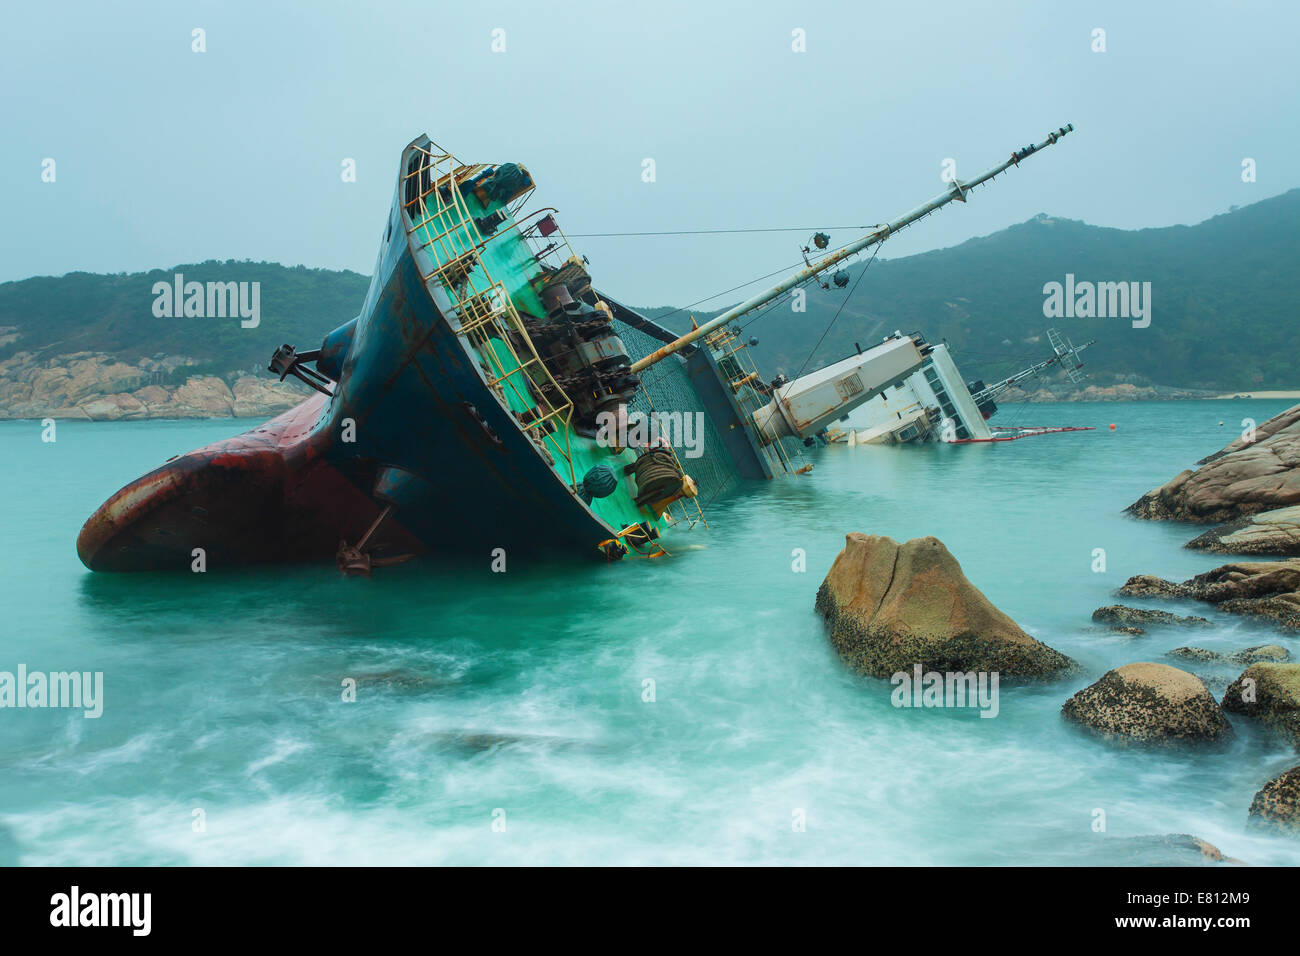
[(164, 155)]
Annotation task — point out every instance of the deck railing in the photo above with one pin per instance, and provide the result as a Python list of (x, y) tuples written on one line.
[(443, 225)]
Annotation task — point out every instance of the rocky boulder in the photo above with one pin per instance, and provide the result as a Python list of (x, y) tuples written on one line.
[(1263, 589), (1149, 703), (1199, 654), (1278, 424), (891, 606), (1277, 804), (1173, 849), (1261, 653), (1274, 532), (1117, 615), (1241, 480), (255, 397), (1269, 693), (205, 394), (113, 407), (1272, 653), (1150, 586)]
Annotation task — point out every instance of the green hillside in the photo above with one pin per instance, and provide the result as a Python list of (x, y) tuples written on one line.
[(86, 312), (1224, 305), (1225, 301)]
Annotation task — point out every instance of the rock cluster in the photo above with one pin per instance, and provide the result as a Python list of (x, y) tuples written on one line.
[(1251, 491), (1271, 653), (1134, 620), (1243, 479), (1121, 392), (1272, 533), (1199, 654), (891, 606), (1262, 589)]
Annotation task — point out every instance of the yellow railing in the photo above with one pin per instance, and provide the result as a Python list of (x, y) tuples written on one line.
[(482, 305)]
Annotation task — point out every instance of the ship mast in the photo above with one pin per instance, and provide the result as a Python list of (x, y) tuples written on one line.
[(956, 190), (1064, 350)]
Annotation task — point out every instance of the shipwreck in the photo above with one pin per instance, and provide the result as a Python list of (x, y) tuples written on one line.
[(461, 410)]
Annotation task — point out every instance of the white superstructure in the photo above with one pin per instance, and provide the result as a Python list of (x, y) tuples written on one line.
[(936, 404), (932, 404), (807, 405)]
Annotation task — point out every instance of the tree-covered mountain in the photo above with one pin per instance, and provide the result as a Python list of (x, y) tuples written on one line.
[(114, 314), (1224, 311), (1225, 301)]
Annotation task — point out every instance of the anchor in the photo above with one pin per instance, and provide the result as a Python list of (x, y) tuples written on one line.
[(356, 560)]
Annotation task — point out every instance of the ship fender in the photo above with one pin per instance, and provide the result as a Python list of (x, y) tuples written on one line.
[(334, 350), (599, 482)]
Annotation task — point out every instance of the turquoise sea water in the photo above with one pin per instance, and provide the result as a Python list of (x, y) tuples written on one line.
[(522, 699)]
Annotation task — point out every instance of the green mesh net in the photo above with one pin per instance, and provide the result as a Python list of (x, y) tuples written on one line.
[(666, 387)]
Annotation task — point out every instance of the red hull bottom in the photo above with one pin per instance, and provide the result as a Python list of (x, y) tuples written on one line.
[(267, 495)]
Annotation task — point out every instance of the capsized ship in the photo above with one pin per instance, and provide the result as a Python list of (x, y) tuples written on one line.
[(461, 411), (936, 404)]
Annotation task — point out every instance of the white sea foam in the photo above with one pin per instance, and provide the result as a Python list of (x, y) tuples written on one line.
[(757, 746)]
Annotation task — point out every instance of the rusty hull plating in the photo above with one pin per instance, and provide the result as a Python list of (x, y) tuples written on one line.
[(269, 494)]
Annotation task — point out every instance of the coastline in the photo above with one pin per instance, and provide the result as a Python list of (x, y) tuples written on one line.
[(214, 400), (96, 386), (1283, 393)]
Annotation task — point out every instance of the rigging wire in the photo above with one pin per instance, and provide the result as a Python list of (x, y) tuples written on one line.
[(784, 269), (845, 302), (700, 232), (782, 299), (742, 285)]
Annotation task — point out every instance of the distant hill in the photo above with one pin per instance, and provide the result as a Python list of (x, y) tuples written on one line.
[(91, 346), (1225, 301), (113, 314), (1225, 313)]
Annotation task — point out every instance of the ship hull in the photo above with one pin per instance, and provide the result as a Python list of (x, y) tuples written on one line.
[(412, 423)]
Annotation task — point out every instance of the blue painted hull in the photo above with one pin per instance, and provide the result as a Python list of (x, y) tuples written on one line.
[(418, 402)]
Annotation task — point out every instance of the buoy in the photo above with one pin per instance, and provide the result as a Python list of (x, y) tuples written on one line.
[(1112, 426)]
